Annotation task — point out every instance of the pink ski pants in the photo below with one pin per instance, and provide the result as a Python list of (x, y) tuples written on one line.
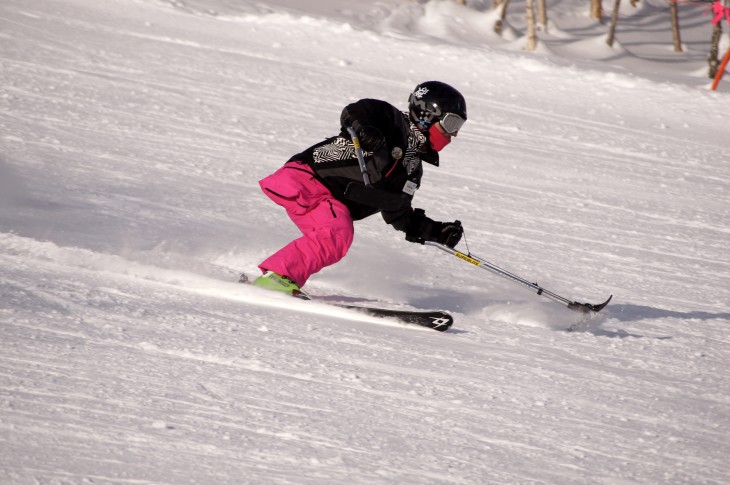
[(325, 222)]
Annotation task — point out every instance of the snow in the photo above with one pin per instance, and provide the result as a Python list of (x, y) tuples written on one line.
[(133, 135)]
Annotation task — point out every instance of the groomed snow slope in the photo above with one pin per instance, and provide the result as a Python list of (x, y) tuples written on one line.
[(133, 135)]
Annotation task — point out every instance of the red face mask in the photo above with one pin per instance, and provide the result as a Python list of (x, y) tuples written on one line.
[(437, 139)]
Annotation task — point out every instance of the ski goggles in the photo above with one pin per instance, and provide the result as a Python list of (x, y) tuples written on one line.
[(452, 123)]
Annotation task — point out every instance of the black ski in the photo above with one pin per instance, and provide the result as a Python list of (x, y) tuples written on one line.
[(437, 320)]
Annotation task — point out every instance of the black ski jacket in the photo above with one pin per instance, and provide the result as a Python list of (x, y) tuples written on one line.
[(394, 151)]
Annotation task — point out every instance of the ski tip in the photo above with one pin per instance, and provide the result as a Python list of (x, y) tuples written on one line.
[(588, 307)]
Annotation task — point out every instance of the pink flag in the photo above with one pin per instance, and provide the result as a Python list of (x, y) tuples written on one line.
[(719, 11)]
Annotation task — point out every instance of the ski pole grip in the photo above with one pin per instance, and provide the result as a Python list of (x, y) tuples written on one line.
[(360, 155), (355, 138)]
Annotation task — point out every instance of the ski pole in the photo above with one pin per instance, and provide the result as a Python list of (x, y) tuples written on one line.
[(360, 155), (485, 265)]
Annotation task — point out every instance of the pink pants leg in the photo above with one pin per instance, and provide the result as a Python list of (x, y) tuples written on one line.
[(325, 222)]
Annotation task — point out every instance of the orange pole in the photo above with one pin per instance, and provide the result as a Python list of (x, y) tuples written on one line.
[(721, 70)]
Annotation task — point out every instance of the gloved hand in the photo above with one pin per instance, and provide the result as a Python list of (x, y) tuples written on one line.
[(447, 233), (371, 139), (420, 229)]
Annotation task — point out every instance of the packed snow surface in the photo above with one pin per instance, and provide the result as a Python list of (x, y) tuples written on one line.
[(133, 134)]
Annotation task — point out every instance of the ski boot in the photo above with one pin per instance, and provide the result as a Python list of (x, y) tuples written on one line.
[(276, 282)]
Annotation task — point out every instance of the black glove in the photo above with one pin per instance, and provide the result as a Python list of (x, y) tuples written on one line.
[(448, 234), (420, 229), (371, 138)]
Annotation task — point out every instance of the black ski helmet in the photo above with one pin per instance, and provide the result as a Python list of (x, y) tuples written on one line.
[(432, 100)]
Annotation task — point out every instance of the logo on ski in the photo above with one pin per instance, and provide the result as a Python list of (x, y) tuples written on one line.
[(439, 322)]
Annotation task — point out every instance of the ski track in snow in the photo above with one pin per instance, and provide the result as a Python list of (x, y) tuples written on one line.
[(133, 134)]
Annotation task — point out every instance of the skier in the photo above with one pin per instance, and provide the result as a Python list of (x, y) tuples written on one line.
[(311, 185)]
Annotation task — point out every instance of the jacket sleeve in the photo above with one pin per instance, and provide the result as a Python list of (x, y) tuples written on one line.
[(399, 219)]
